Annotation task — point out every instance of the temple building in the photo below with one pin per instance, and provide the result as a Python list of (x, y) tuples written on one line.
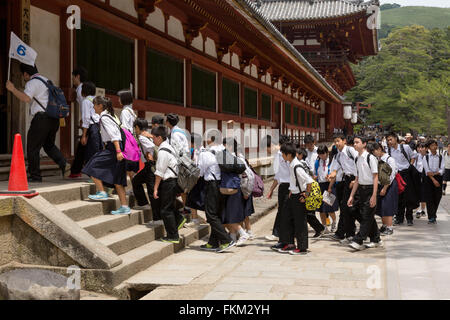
[(264, 64)]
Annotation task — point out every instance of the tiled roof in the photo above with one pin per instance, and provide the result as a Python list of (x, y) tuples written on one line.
[(288, 10)]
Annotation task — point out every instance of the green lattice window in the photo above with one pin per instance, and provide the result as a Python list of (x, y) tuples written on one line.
[(266, 103), (308, 120), (287, 113), (230, 96), (203, 89), (165, 78), (303, 118), (295, 115), (108, 57), (251, 103)]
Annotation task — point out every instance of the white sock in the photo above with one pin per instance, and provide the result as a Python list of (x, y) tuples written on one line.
[(242, 233)]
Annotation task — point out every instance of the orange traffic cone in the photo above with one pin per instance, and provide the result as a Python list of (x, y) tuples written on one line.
[(18, 183)]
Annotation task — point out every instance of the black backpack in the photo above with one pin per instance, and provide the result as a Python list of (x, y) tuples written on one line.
[(57, 106)]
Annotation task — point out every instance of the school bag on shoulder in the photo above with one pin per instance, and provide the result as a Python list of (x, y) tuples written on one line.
[(230, 163), (258, 185), (57, 106), (428, 160), (315, 198), (247, 182), (384, 172), (401, 183), (131, 150), (188, 172)]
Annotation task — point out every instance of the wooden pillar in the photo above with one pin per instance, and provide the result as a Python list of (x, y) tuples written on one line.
[(65, 82)]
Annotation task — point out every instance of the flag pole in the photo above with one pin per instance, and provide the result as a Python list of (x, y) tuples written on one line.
[(9, 68)]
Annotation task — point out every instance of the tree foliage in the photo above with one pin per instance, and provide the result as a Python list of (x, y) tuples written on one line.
[(408, 81)]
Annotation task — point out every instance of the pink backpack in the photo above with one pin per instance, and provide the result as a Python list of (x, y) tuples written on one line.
[(131, 150)]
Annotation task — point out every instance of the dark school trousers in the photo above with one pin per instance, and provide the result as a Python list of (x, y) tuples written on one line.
[(42, 134), (147, 177), (78, 161), (314, 222), (368, 224), (406, 199), (283, 193), (213, 210), (167, 192), (433, 196), (347, 215), (297, 226)]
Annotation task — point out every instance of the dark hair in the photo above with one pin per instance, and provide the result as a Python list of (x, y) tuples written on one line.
[(302, 151), (142, 124), (323, 149), (430, 142), (160, 131), (173, 119), (350, 140), (88, 89), (31, 70), (339, 136), (106, 103), (372, 146), (229, 141), (362, 138), (422, 145), (289, 148), (158, 119), (308, 139), (284, 139), (125, 97), (82, 72), (393, 135), (371, 139)]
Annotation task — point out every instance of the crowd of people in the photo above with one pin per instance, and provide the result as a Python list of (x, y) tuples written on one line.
[(361, 176)]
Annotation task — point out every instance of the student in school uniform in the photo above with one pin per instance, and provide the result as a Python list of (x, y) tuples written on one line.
[(299, 188), (127, 118), (311, 150), (43, 128), (410, 198), (434, 167), (364, 196), (79, 76), (219, 239), (107, 167), (344, 161), (321, 172), (421, 152), (387, 203), (147, 174), (90, 137), (281, 179), (447, 168), (166, 185)]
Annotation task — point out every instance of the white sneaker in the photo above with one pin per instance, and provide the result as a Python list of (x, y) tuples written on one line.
[(326, 231), (251, 235), (146, 207), (357, 246), (374, 244), (271, 238), (242, 240), (346, 241), (130, 193), (193, 223), (333, 227)]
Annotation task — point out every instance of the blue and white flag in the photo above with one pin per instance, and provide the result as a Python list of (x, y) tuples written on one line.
[(19, 50)]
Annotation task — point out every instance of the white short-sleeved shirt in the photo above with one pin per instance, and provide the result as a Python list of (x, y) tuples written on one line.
[(88, 115), (80, 97), (432, 165), (35, 88), (282, 169), (207, 163), (323, 170), (178, 140), (127, 118), (303, 178), (109, 128), (311, 157), (344, 161), (166, 164), (147, 146), (364, 172), (400, 160)]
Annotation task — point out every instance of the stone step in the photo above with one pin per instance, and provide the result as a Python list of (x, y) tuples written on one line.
[(145, 256), (46, 171), (81, 210), (103, 225), (133, 237), (66, 192)]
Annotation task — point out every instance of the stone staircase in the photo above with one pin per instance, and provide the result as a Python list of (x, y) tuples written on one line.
[(134, 237), (48, 167)]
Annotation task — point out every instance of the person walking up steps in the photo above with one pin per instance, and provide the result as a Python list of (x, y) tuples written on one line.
[(433, 165), (422, 151), (364, 196)]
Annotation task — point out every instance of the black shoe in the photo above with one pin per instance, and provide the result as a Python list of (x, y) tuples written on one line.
[(336, 237), (169, 240), (319, 235), (423, 214), (277, 247), (418, 214), (432, 221), (387, 232), (410, 223), (383, 229), (397, 223), (65, 168)]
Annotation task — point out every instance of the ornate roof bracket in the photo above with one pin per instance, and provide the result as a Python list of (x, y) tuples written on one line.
[(192, 31), (144, 8), (223, 48)]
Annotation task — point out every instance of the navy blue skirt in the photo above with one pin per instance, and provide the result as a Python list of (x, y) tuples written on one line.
[(196, 198), (387, 206), (132, 166), (94, 142), (234, 208), (325, 208), (249, 209), (105, 167)]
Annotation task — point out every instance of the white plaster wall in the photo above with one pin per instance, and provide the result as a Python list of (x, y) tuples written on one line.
[(197, 43), (235, 61), (254, 71), (210, 47), (227, 59), (156, 20), (45, 40), (197, 126), (268, 79), (182, 123), (211, 124), (312, 42), (175, 28), (322, 125), (298, 43), (126, 6), (247, 69)]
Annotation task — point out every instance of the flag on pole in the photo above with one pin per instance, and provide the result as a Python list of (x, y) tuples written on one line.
[(19, 50)]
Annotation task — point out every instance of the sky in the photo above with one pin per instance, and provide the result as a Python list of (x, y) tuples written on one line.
[(425, 3)]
